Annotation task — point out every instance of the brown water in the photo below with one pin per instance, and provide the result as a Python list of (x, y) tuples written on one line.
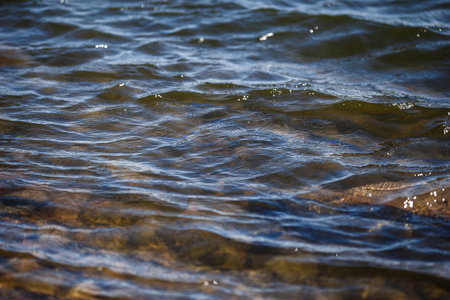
[(224, 150)]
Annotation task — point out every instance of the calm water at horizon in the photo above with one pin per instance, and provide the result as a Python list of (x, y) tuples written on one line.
[(210, 149)]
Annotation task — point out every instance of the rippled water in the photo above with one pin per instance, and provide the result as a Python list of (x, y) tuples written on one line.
[(224, 149)]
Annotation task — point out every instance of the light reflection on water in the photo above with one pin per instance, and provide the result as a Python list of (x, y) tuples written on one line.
[(223, 150)]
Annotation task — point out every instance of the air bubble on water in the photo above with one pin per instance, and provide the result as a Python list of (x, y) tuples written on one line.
[(316, 27), (201, 40), (205, 283), (266, 36), (403, 106), (311, 31), (407, 203)]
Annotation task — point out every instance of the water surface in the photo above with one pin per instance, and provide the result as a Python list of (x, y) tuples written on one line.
[(224, 149)]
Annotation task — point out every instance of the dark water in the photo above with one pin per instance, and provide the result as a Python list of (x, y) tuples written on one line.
[(224, 149)]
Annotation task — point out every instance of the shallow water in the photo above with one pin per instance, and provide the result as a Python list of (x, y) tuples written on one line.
[(224, 150)]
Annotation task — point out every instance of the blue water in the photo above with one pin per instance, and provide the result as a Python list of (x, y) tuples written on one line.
[(224, 149)]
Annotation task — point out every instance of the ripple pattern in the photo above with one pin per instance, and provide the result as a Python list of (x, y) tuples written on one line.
[(224, 149)]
